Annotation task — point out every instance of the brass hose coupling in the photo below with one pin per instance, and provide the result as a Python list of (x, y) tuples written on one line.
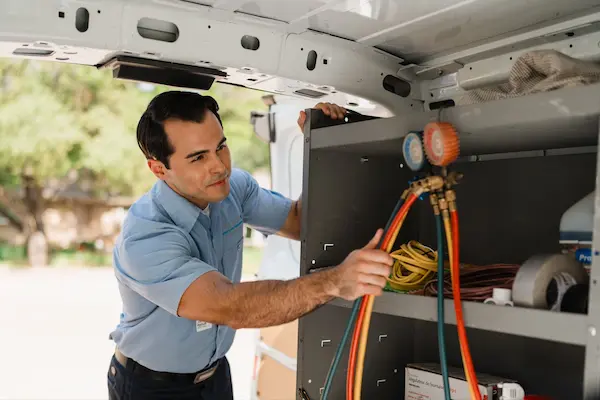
[(433, 198), (444, 207), (428, 184), (451, 197), (453, 178)]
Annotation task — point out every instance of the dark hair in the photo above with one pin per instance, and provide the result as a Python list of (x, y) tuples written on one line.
[(184, 106)]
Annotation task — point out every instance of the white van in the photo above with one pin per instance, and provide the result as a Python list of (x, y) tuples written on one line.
[(519, 79)]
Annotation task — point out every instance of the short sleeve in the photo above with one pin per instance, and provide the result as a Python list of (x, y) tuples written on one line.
[(159, 266), (264, 210)]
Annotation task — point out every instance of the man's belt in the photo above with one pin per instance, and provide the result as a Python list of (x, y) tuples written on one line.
[(137, 368)]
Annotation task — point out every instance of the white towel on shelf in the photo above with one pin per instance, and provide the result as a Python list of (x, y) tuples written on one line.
[(537, 71)]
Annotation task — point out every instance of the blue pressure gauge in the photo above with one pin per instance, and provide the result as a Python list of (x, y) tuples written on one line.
[(412, 150)]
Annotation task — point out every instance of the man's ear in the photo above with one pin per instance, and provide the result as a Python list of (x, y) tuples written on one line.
[(158, 168)]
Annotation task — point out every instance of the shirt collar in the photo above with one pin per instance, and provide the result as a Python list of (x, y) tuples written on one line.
[(180, 210)]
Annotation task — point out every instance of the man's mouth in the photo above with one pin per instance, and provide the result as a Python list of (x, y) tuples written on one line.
[(218, 183)]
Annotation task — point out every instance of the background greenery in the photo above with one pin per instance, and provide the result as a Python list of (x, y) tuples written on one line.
[(58, 117)]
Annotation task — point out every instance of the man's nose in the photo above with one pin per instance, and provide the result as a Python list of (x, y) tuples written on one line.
[(217, 166)]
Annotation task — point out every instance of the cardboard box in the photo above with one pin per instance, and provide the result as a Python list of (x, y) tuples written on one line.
[(424, 382), (274, 380)]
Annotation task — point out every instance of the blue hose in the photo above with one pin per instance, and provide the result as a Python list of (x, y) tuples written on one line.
[(440, 304), (340, 348), (351, 320)]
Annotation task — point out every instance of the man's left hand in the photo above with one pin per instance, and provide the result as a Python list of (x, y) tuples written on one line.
[(331, 110)]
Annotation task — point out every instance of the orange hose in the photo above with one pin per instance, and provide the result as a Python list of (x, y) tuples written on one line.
[(398, 219), (357, 334), (460, 323), (353, 347)]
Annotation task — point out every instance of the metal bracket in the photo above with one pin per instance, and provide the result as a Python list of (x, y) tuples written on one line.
[(380, 381), (326, 245), (324, 342), (381, 337)]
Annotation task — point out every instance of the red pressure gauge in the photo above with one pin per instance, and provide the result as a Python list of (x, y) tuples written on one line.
[(441, 143)]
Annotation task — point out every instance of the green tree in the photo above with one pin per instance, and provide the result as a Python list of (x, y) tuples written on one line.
[(57, 118)]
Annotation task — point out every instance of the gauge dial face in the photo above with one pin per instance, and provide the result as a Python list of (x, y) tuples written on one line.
[(412, 150), (441, 143)]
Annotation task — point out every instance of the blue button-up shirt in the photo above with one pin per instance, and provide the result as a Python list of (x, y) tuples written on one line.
[(165, 244)]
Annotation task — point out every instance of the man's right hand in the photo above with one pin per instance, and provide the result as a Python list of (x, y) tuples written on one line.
[(363, 272)]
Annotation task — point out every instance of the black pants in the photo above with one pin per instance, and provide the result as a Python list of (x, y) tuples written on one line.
[(124, 384)]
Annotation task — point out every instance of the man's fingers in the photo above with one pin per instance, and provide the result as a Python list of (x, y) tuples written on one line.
[(371, 279), (301, 119), (339, 111), (374, 240), (371, 290), (377, 256), (379, 269), (331, 110)]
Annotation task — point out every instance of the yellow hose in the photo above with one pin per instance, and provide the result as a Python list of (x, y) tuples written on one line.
[(362, 348), (449, 240)]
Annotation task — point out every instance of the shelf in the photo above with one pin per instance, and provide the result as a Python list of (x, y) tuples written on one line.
[(540, 324), (550, 120)]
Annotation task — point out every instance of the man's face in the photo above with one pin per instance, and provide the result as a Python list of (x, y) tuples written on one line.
[(200, 164)]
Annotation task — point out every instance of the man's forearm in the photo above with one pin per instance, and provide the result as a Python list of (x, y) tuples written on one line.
[(214, 298), (268, 303)]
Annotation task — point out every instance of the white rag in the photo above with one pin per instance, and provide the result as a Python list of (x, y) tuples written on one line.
[(537, 71)]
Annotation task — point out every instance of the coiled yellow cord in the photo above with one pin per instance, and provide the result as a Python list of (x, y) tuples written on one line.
[(414, 265)]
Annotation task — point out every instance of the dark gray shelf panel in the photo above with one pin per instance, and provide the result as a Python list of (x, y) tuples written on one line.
[(539, 324), (557, 119)]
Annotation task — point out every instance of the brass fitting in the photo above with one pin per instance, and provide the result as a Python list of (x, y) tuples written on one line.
[(405, 194), (443, 204), (434, 203), (453, 178), (428, 184), (451, 197)]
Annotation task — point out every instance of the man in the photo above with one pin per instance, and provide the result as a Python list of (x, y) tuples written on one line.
[(178, 259)]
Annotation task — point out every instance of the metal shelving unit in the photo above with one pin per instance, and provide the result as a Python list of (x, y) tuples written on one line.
[(530, 158), (542, 324)]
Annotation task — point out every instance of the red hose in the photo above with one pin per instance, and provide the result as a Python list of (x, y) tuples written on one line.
[(460, 323)]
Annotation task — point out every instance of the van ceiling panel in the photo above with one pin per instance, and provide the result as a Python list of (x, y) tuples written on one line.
[(410, 29), (281, 10)]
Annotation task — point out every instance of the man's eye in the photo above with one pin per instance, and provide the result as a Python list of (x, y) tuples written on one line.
[(197, 158), (221, 147)]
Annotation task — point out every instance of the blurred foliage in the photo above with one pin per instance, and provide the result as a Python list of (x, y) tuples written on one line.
[(55, 118)]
